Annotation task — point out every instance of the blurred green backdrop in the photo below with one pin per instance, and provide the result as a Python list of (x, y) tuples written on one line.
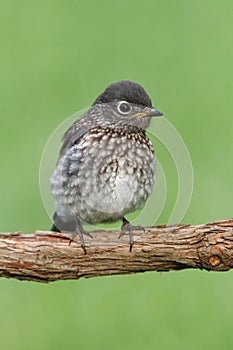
[(56, 56)]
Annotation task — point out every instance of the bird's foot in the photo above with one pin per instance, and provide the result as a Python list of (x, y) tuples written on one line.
[(79, 231), (127, 228)]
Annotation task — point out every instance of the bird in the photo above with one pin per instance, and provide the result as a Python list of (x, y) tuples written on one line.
[(106, 165)]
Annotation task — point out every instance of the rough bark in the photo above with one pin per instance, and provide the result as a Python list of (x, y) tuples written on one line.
[(46, 256)]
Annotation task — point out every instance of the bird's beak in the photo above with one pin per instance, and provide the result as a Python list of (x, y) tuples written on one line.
[(151, 112), (147, 112)]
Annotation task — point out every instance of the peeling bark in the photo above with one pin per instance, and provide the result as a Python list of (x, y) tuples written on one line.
[(46, 256)]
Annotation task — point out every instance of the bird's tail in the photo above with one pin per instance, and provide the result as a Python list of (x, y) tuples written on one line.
[(60, 225)]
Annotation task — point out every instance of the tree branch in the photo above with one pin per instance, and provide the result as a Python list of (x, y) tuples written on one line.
[(46, 256)]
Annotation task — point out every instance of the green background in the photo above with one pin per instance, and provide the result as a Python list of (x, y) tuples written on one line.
[(55, 57)]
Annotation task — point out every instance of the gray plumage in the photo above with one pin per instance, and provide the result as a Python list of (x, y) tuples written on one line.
[(106, 166)]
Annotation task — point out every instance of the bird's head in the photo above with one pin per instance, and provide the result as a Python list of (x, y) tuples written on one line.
[(125, 103)]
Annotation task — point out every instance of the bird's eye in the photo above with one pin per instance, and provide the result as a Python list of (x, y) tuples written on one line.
[(124, 107)]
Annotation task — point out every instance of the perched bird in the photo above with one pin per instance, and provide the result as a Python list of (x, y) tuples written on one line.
[(106, 165)]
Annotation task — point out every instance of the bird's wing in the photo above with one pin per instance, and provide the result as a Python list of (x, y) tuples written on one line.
[(77, 130), (73, 135)]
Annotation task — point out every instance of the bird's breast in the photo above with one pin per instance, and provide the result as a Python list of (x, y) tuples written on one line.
[(118, 169), (108, 174)]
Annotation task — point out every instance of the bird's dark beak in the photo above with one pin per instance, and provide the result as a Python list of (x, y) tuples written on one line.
[(147, 112), (151, 112)]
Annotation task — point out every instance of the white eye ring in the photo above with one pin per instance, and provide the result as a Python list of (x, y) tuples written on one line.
[(124, 107)]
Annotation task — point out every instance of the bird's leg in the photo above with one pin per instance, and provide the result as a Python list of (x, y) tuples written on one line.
[(79, 230), (75, 227), (128, 228)]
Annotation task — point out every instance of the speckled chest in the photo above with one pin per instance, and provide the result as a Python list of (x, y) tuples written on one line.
[(105, 152), (108, 173)]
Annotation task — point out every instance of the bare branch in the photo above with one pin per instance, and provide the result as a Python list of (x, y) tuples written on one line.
[(46, 256)]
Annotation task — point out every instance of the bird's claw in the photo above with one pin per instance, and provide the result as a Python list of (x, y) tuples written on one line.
[(127, 228), (80, 232)]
